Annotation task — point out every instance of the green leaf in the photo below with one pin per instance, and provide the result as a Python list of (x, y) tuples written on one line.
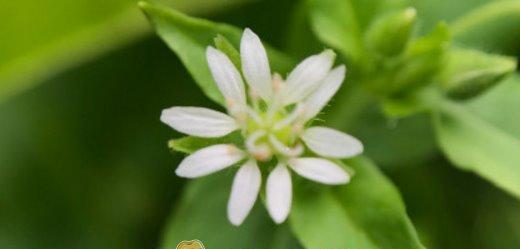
[(497, 106), (367, 213), (191, 144), (73, 32), (335, 23), (493, 26), (473, 144), (188, 37), (468, 73), (201, 215)]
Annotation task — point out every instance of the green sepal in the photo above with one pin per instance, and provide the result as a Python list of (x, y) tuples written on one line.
[(227, 48), (190, 144)]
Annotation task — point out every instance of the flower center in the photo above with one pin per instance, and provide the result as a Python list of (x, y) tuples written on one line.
[(273, 131)]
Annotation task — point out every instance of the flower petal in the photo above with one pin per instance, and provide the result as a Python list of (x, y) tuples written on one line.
[(246, 185), (255, 64), (318, 99), (226, 76), (197, 121), (279, 193), (319, 170), (209, 160), (328, 142), (306, 77)]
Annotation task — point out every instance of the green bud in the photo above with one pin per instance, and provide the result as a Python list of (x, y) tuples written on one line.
[(389, 34), (421, 61), (469, 73), (227, 48)]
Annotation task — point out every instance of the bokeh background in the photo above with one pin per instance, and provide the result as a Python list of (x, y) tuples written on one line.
[(83, 156)]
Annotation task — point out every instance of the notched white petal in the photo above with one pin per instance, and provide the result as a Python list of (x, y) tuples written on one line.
[(197, 121), (255, 64), (244, 191), (279, 193), (307, 76), (331, 143), (209, 160), (319, 170), (318, 99), (226, 76)]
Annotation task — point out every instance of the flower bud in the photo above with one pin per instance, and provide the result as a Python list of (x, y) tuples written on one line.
[(421, 61), (389, 34), (469, 73)]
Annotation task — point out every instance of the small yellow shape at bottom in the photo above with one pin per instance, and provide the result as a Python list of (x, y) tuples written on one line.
[(190, 244)]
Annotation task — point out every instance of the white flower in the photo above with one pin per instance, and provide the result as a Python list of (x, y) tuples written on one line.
[(271, 119)]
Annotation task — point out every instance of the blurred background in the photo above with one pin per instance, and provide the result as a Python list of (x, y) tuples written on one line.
[(83, 156)]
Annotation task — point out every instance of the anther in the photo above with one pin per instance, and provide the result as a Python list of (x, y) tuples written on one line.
[(277, 82)]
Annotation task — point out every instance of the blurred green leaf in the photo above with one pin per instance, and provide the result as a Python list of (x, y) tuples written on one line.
[(494, 26), (498, 221), (334, 22), (474, 144), (468, 73), (201, 215), (367, 213), (90, 144), (188, 37), (433, 11), (299, 29), (191, 144), (42, 38), (498, 106)]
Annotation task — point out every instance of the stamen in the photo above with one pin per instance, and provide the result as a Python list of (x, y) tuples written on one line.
[(297, 128), (236, 111), (255, 97), (283, 149), (254, 115), (251, 140), (262, 153), (277, 82), (230, 103), (297, 150), (241, 117), (273, 107), (297, 112), (232, 150)]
